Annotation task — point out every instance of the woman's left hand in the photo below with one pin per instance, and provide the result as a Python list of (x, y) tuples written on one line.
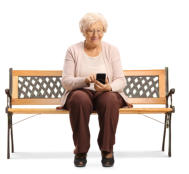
[(102, 87)]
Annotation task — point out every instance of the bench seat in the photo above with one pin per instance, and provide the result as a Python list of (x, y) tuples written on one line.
[(121, 111)]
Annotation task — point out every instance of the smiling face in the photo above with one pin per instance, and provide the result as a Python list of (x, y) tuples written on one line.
[(94, 34)]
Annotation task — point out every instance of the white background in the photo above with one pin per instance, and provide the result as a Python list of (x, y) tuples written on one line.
[(150, 34)]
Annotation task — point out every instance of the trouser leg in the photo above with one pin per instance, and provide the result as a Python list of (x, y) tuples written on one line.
[(80, 107), (107, 106)]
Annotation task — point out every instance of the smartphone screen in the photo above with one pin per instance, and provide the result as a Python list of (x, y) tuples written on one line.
[(101, 77)]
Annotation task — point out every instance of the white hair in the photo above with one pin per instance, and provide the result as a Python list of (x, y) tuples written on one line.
[(91, 18)]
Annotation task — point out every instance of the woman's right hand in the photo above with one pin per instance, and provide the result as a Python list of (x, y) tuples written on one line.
[(90, 79), (130, 105)]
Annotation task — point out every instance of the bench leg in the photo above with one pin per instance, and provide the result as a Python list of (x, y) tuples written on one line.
[(12, 140), (169, 153), (8, 137), (164, 133), (10, 132)]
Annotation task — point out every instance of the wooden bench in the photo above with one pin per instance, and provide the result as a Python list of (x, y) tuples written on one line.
[(41, 87)]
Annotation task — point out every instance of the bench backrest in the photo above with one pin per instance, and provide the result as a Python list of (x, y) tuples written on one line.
[(41, 87)]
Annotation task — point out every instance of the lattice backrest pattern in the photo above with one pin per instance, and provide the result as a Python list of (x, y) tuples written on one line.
[(51, 87), (39, 87), (44, 87), (142, 86)]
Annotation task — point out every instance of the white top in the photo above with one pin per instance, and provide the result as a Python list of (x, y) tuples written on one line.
[(92, 65)]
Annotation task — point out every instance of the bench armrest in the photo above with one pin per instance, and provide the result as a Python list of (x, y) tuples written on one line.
[(172, 91), (9, 105), (7, 91), (169, 95)]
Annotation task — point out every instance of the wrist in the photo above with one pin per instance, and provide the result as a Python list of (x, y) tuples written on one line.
[(109, 88), (87, 83)]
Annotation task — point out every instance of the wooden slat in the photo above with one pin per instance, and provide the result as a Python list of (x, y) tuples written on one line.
[(121, 111), (147, 100), (162, 85), (37, 111), (15, 87), (55, 101), (59, 72), (144, 110), (143, 72), (36, 73)]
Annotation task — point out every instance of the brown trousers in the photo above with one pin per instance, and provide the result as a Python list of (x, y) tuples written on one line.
[(80, 103)]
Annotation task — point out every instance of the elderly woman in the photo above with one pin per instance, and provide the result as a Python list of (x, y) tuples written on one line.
[(84, 93)]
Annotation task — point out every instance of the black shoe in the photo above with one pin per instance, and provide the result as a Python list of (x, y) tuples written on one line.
[(107, 162), (80, 160)]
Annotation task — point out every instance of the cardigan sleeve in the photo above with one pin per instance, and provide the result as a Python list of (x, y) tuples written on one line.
[(118, 81), (69, 81)]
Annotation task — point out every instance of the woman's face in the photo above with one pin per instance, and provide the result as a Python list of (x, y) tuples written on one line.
[(94, 33)]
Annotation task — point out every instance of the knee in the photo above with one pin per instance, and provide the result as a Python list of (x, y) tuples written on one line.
[(79, 98), (109, 99)]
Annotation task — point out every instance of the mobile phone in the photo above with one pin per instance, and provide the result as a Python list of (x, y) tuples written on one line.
[(101, 77)]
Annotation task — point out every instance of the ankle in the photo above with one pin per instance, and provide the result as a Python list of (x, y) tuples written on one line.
[(107, 154), (81, 155)]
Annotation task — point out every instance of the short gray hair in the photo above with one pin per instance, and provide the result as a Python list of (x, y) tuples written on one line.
[(91, 18)]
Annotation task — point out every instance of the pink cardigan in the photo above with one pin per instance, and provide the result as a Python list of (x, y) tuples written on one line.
[(71, 72)]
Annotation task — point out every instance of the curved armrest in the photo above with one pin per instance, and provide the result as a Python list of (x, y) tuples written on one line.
[(172, 91), (7, 91)]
